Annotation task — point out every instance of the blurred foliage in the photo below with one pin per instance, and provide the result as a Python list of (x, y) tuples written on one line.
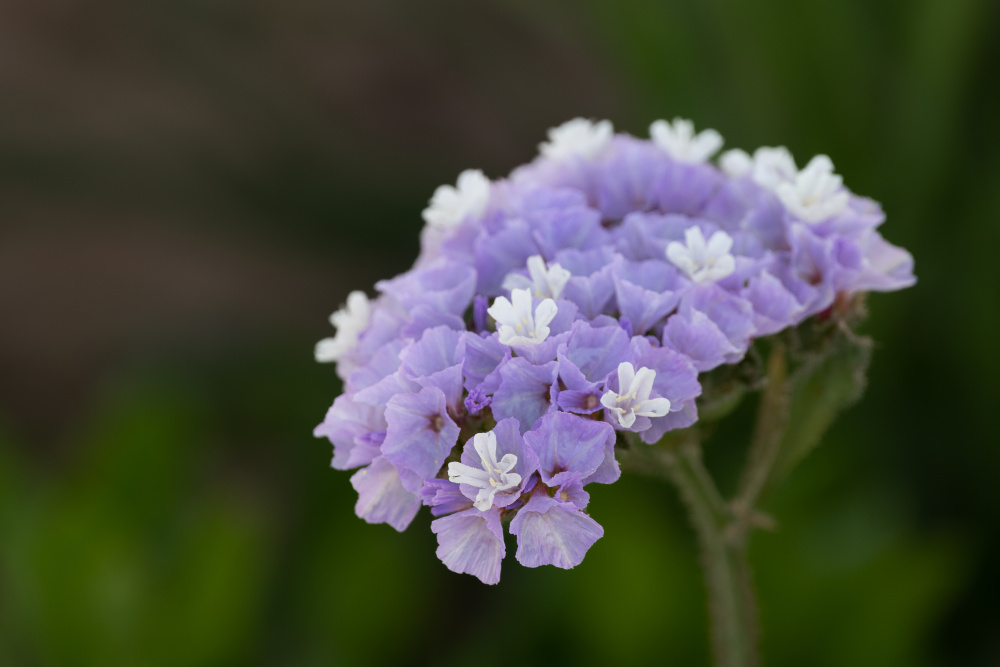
[(165, 503)]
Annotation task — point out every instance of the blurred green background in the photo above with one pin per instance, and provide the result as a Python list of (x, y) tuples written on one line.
[(188, 189)]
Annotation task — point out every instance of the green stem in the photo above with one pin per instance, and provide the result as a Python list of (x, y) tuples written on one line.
[(772, 421), (732, 607)]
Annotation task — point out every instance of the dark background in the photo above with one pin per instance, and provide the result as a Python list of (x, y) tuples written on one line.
[(189, 187)]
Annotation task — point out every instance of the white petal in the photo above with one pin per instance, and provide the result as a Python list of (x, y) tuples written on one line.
[(502, 311), (521, 299), (677, 253), (719, 244), (735, 162), (610, 401), (695, 240), (626, 375), (557, 277), (642, 385), (463, 474), (544, 313), (507, 463), (722, 267), (514, 281), (329, 349), (654, 407)]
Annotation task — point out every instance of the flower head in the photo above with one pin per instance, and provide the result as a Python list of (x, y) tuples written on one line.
[(618, 269)]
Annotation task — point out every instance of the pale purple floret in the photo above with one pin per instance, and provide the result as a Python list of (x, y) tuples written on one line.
[(382, 498), (482, 359), (595, 351), (526, 392), (419, 436), (443, 497), (646, 292), (676, 380), (471, 542), (579, 394), (348, 424), (550, 532), (571, 448), (436, 361), (667, 267)]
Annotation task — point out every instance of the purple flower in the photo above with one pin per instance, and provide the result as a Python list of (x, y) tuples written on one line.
[(436, 361), (471, 542), (550, 532), (347, 424), (580, 296), (443, 497), (419, 436), (382, 497), (571, 448), (526, 391)]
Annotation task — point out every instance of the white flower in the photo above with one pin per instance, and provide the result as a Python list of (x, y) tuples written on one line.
[(492, 477), (350, 321), (703, 262), (736, 163), (451, 205), (773, 166), (515, 321), (634, 400), (816, 193), (577, 138), (681, 143), (544, 282)]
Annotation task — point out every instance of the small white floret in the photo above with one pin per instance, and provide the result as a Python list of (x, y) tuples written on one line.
[(736, 163), (816, 193), (703, 262), (451, 205), (633, 398), (350, 321), (681, 143), (543, 281), (773, 166), (577, 138), (492, 477), (516, 323)]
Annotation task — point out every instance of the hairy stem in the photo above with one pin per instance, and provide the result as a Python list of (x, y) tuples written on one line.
[(731, 603), (769, 431)]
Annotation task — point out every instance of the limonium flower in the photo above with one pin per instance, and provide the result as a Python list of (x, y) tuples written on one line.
[(556, 312)]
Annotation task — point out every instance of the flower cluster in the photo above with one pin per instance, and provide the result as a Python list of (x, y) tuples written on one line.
[(578, 298)]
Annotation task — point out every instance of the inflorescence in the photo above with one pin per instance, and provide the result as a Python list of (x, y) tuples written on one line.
[(577, 298)]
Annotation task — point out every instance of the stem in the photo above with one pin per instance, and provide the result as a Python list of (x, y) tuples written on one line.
[(732, 607), (772, 420)]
